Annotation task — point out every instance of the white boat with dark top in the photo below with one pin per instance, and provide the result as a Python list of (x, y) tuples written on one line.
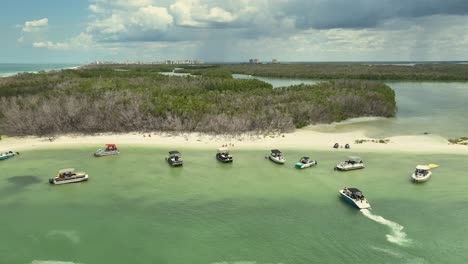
[(276, 156), (422, 173), (355, 197), (7, 155), (223, 155), (68, 176), (175, 158)]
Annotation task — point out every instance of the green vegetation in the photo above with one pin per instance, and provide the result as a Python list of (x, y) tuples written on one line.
[(419, 72), (137, 98), (459, 141)]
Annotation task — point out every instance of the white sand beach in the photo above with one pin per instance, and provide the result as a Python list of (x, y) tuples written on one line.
[(300, 139)]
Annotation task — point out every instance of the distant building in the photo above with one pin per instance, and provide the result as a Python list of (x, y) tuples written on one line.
[(274, 61), (251, 60)]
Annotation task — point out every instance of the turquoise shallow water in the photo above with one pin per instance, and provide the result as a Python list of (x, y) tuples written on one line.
[(8, 69), (423, 107), (136, 209)]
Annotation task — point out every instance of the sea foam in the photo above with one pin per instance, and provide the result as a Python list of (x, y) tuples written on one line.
[(52, 262), (397, 235)]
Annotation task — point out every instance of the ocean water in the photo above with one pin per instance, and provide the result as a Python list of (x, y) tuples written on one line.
[(136, 209), (423, 107), (8, 69)]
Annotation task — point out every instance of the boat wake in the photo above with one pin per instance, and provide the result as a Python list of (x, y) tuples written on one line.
[(52, 262), (397, 236)]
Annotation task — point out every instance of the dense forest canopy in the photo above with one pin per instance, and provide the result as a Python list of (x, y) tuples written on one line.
[(137, 98), (409, 72)]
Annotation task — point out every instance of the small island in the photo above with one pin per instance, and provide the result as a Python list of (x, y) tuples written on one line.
[(128, 98)]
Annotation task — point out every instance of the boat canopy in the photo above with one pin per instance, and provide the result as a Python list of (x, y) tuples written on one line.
[(275, 151), (69, 170), (111, 145), (355, 158), (174, 153), (422, 167), (354, 190), (305, 158), (223, 150)]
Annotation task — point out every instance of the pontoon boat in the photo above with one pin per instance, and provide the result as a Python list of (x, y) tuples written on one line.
[(111, 149), (353, 163), (69, 176)]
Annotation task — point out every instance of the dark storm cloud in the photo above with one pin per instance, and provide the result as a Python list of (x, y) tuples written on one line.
[(321, 14)]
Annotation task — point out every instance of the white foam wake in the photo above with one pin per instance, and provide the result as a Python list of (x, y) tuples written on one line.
[(52, 262), (396, 236)]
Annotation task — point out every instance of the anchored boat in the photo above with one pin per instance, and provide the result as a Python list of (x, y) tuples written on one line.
[(421, 174), (355, 197), (111, 149), (276, 156), (305, 162), (7, 155), (353, 163), (174, 159), (223, 155), (69, 176)]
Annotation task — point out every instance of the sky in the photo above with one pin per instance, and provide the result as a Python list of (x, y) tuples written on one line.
[(82, 31)]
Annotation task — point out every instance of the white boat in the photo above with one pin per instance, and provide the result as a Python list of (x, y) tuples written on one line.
[(353, 163), (355, 197), (175, 158), (422, 173), (305, 162), (276, 156), (223, 155), (69, 176), (111, 149), (7, 155)]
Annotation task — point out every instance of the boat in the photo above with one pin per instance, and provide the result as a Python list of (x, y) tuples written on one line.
[(68, 176), (276, 156), (422, 173), (305, 162), (355, 197), (353, 163), (111, 149), (8, 154), (174, 159), (223, 155)]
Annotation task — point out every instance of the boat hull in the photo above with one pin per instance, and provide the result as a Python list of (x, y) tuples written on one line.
[(4, 157), (277, 161), (421, 179), (364, 204), (349, 167), (300, 165), (106, 153), (220, 159), (75, 180)]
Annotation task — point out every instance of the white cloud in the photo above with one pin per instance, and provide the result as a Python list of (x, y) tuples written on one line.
[(128, 23), (196, 13), (82, 41), (35, 25)]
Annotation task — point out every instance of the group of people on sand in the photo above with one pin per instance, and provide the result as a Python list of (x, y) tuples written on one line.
[(227, 145), (346, 146)]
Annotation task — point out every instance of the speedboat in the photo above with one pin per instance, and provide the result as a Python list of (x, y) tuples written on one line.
[(68, 176), (276, 156), (7, 155), (223, 155), (353, 163), (111, 149), (305, 162), (422, 173), (174, 159), (355, 197)]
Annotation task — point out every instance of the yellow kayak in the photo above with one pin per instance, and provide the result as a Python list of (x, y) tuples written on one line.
[(432, 166)]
